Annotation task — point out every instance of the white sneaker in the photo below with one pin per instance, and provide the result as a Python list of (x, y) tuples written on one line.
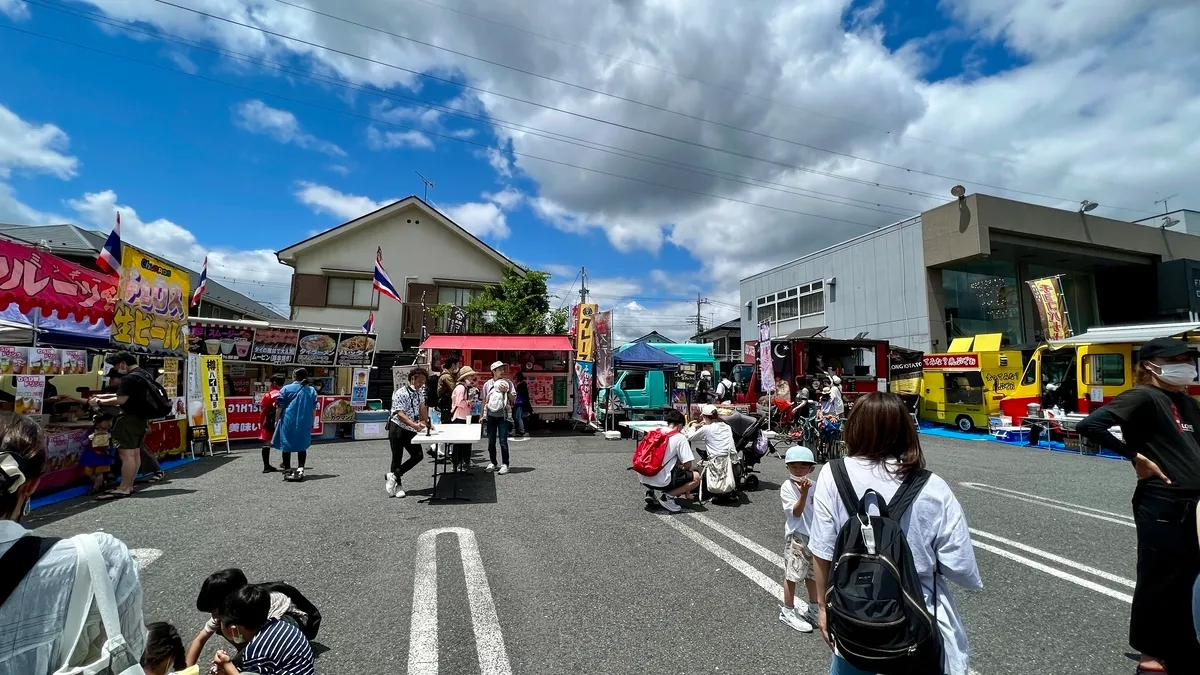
[(525, 437), (390, 485), (441, 454), (503, 469), (668, 502), (490, 467), (400, 492), (793, 620)]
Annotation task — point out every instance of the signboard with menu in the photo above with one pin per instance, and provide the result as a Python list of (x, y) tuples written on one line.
[(356, 350), (13, 360), (44, 361), (317, 348), (244, 418), (232, 343), (74, 362), (335, 409), (213, 385), (151, 309), (29, 392), (275, 345)]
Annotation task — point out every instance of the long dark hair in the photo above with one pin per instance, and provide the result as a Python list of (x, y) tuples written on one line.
[(20, 438), (880, 428), (162, 643)]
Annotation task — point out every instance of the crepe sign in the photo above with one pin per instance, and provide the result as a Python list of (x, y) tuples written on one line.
[(356, 350), (275, 345), (585, 336), (32, 279), (151, 311), (232, 343), (317, 348)]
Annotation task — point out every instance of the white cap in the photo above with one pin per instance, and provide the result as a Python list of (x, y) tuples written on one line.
[(705, 373), (709, 410), (837, 380), (497, 364)]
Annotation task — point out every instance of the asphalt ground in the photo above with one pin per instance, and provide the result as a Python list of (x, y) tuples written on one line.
[(570, 572)]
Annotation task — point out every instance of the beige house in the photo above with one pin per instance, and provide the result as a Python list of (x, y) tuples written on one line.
[(429, 258)]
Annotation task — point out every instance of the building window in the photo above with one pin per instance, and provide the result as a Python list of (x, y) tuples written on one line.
[(459, 297), (801, 301), (357, 293)]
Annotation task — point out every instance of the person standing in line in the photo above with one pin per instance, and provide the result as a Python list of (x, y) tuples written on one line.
[(460, 413), (268, 414), (410, 416), (293, 432), (882, 448), (498, 398), (38, 574), (1159, 420), (522, 407), (130, 428), (797, 561), (445, 389)]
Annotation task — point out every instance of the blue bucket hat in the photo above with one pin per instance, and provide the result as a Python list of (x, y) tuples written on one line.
[(799, 453)]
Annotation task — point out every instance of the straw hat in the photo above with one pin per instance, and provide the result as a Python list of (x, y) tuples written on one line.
[(464, 373)]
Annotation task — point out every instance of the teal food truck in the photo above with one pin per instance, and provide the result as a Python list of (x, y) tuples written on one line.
[(642, 394)]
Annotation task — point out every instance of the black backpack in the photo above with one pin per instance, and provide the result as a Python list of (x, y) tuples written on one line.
[(20, 559), (155, 404), (875, 608)]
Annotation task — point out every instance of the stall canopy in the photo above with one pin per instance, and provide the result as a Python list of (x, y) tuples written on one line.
[(1189, 331), (642, 356), (66, 298), (533, 343)]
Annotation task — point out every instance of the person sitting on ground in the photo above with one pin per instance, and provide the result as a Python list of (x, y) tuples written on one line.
[(164, 651), (269, 646), (96, 455), (797, 561), (713, 432), (286, 604), (677, 476)]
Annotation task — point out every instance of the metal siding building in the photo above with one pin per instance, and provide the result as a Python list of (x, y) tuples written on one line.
[(874, 284)]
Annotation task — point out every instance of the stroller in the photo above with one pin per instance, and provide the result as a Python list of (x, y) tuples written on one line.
[(749, 448)]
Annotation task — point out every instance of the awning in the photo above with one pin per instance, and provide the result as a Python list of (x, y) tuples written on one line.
[(803, 333), (1132, 334), (529, 343)]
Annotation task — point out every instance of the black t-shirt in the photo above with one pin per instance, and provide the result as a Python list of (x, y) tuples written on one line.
[(1163, 432), (137, 390)]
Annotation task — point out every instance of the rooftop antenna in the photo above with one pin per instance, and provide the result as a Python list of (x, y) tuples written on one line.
[(1163, 201), (428, 184)]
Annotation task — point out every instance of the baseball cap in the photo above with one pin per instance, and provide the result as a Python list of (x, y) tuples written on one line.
[(1164, 348), (799, 453), (497, 364), (837, 380), (709, 410)]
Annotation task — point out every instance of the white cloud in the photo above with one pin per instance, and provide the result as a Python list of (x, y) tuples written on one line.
[(482, 219), (254, 273), (259, 118), (389, 140), (340, 169), (507, 199), (34, 148), (324, 199), (499, 162), (185, 64), (14, 9)]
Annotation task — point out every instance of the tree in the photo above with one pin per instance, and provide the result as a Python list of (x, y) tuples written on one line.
[(521, 304)]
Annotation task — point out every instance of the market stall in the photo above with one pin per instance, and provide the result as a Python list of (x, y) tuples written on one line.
[(544, 359)]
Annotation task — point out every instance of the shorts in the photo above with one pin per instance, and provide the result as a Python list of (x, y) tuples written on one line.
[(679, 477), (797, 560), (128, 432), (93, 471)]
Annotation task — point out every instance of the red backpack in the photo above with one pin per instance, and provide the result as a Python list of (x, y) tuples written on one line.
[(648, 458)]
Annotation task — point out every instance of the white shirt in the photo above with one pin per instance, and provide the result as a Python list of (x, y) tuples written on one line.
[(34, 616), (678, 450), (717, 437), (934, 525), (789, 493), (835, 395)]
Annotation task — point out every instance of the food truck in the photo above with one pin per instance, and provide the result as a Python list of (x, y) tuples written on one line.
[(862, 365), (638, 393), (1083, 372), (967, 384)]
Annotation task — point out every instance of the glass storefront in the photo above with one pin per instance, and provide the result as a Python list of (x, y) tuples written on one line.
[(983, 297), (1078, 293)]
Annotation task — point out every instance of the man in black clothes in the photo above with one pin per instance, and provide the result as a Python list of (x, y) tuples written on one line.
[(129, 430)]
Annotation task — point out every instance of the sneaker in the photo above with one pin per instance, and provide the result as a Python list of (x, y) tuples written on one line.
[(503, 469), (650, 498), (668, 503), (269, 469), (490, 467), (811, 615), (441, 454), (400, 492), (390, 485), (299, 473), (525, 437), (788, 616)]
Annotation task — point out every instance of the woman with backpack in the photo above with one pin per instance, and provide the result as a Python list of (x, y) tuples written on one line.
[(1158, 421), (918, 539), (498, 399)]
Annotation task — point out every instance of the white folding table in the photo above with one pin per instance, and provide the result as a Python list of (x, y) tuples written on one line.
[(450, 434), (640, 427)]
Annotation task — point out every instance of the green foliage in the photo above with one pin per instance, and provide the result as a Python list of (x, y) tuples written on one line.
[(521, 304)]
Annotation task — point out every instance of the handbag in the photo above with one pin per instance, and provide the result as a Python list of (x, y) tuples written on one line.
[(719, 472), (92, 584)]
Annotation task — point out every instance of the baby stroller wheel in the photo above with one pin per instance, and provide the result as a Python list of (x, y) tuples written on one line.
[(751, 482)]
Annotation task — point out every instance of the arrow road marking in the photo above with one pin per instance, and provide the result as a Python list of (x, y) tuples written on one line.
[(144, 556)]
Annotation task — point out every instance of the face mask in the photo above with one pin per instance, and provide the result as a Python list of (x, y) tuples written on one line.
[(238, 638), (1178, 374)]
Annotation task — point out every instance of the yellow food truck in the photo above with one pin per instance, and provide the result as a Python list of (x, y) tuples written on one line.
[(968, 383)]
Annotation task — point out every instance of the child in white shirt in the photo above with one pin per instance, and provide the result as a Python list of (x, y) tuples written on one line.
[(797, 560)]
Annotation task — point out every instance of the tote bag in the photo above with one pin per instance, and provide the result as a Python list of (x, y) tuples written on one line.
[(92, 585)]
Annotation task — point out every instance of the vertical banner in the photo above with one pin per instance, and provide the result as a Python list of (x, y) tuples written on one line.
[(585, 336), (604, 355), (456, 321), (151, 312), (584, 370), (1052, 307), (213, 381), (766, 370), (29, 392), (195, 398), (358, 390)]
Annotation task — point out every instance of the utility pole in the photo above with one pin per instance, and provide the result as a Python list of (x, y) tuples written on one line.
[(583, 289), (699, 321), (1163, 201)]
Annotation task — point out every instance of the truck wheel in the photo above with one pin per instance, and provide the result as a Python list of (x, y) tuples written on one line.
[(965, 423)]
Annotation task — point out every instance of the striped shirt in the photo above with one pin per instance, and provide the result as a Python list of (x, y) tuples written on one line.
[(278, 649), (408, 401)]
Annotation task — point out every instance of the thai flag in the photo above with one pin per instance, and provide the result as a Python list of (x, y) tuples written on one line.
[(203, 284), (109, 259), (369, 326), (383, 283)]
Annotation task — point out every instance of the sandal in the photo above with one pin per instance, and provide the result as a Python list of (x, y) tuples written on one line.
[(112, 496), (157, 477), (1148, 665)]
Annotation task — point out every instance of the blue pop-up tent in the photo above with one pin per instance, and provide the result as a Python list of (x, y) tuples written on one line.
[(642, 356)]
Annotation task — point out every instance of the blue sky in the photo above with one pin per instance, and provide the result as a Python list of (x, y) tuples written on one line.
[(200, 166)]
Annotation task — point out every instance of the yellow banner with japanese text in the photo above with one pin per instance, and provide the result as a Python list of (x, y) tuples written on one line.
[(585, 334), (1052, 307), (212, 384), (152, 305)]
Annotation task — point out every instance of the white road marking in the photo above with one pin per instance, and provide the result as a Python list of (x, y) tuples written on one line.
[(1088, 511), (761, 551), (1107, 576), (749, 571), (144, 556), (423, 629), (1090, 585)]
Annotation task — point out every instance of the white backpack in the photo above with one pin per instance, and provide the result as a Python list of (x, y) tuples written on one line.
[(92, 583), (497, 401)]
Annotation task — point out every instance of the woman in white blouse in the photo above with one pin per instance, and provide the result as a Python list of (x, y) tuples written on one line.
[(882, 446)]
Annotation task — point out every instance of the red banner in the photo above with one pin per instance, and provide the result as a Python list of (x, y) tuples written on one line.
[(242, 414), (34, 279), (951, 361)]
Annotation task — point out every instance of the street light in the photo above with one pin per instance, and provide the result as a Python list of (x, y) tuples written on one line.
[(1168, 221), (1086, 205)]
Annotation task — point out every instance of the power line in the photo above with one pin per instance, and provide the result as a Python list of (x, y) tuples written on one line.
[(617, 97), (348, 113)]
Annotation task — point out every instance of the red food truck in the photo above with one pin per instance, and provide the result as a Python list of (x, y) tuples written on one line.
[(861, 364)]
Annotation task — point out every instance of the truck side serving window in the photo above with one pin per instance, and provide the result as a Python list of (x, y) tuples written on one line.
[(633, 381)]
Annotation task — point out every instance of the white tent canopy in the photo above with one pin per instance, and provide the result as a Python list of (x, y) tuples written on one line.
[(1133, 334)]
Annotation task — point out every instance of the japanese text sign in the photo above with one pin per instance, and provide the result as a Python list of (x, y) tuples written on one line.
[(356, 350), (29, 392), (766, 367), (950, 361), (33, 279), (1052, 307), (13, 360), (275, 345), (212, 383), (585, 336), (244, 418), (151, 313), (231, 342)]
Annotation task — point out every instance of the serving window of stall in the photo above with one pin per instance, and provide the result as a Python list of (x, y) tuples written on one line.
[(964, 388), (839, 359), (547, 361)]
